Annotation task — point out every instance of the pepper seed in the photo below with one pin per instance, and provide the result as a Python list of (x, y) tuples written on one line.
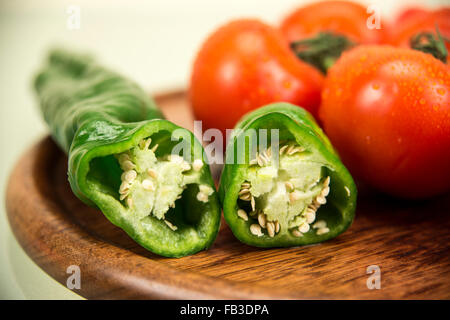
[(255, 229), (297, 233), (129, 202), (202, 197), (252, 202), (244, 191), (128, 165), (320, 224), (242, 214), (347, 190), (197, 165), (321, 231), (123, 157), (270, 229), (152, 173), (277, 227), (124, 187), (325, 192), (245, 197), (245, 185), (171, 226), (262, 219), (129, 176), (289, 186), (154, 148), (321, 200), (185, 166), (294, 196), (303, 228), (148, 185), (310, 216)]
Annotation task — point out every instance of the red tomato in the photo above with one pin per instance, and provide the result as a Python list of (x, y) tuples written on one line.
[(409, 14), (405, 29), (340, 17), (245, 65), (387, 111)]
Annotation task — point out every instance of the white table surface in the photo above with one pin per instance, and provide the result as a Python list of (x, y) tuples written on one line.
[(153, 42)]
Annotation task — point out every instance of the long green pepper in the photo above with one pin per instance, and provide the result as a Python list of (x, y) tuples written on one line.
[(283, 183), (119, 148)]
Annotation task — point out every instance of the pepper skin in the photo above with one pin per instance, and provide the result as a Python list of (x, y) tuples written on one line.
[(306, 196), (118, 147)]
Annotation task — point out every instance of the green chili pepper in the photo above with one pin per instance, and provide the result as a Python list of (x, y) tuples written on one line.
[(283, 183), (120, 160)]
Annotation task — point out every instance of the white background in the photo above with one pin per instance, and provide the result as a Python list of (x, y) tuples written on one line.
[(153, 42)]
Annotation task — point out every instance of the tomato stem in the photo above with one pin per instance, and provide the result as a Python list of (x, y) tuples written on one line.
[(429, 43), (323, 50)]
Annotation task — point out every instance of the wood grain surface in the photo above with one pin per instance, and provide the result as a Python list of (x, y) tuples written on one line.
[(409, 241)]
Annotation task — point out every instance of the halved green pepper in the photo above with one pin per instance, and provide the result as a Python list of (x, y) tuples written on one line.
[(120, 156), (283, 183)]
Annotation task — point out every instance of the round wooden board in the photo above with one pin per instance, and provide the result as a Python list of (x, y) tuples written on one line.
[(408, 241)]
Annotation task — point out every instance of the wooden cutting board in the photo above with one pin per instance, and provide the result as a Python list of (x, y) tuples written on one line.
[(408, 241)]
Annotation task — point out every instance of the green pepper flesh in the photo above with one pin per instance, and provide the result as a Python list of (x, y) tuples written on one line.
[(98, 117), (303, 196)]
